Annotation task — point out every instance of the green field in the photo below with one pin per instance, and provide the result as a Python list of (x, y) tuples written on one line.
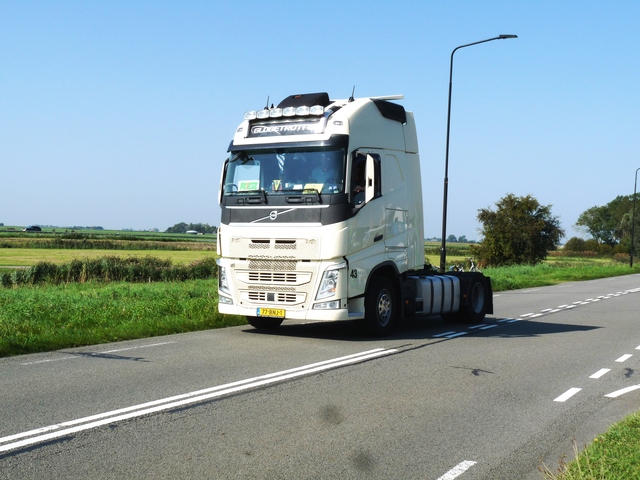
[(26, 257)]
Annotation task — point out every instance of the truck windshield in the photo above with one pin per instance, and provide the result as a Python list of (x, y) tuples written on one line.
[(283, 171)]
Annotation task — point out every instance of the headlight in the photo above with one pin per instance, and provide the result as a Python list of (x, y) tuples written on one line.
[(329, 282), (223, 282)]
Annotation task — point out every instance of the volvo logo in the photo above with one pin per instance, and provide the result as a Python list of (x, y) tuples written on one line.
[(273, 215)]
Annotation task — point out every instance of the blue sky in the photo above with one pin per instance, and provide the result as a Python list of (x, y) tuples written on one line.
[(119, 113)]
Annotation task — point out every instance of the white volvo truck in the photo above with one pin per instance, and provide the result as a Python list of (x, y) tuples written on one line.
[(322, 220)]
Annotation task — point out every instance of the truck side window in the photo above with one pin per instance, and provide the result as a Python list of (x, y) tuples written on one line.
[(358, 179), (361, 178)]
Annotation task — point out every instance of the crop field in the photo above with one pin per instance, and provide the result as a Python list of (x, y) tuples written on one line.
[(22, 249), (26, 257)]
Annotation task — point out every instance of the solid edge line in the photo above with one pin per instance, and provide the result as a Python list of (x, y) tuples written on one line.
[(193, 397), (622, 391)]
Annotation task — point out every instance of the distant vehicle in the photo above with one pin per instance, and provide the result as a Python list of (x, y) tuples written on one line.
[(192, 232), (33, 228)]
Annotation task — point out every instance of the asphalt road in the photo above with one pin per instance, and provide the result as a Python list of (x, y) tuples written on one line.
[(434, 401)]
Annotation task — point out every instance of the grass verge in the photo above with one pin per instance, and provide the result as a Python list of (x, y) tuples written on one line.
[(42, 318), (554, 273), (613, 455)]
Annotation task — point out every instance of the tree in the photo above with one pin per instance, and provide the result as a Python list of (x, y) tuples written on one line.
[(520, 231), (452, 239), (182, 227), (605, 223)]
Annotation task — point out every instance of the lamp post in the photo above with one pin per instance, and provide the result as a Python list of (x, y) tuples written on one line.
[(633, 220), (443, 248)]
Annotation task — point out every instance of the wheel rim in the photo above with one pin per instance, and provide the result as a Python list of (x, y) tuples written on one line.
[(385, 307)]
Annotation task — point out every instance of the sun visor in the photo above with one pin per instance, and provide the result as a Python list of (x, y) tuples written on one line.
[(392, 111), (306, 99)]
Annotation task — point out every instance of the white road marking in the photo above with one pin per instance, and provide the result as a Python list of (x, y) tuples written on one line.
[(86, 423), (459, 334), (487, 327), (600, 373), (443, 334), (567, 395), (458, 470), (624, 358), (617, 393)]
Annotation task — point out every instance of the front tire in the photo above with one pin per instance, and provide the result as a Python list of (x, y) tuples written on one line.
[(380, 307)]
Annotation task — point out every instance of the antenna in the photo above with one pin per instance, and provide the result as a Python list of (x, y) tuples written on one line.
[(351, 99), (267, 104)]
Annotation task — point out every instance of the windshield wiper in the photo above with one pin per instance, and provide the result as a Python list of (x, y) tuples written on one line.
[(299, 196), (262, 199)]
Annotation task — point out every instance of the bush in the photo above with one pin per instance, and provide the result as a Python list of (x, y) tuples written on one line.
[(591, 245), (575, 244), (112, 269)]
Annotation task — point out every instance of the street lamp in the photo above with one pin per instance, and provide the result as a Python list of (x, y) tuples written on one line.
[(443, 248), (633, 219)]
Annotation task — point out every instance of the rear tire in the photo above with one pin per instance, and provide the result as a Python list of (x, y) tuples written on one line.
[(264, 323), (380, 307)]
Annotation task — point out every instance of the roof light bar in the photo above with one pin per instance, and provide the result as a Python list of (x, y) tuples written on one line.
[(303, 111)]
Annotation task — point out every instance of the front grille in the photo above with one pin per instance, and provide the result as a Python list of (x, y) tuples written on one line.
[(276, 265), (272, 277), (260, 278), (273, 297)]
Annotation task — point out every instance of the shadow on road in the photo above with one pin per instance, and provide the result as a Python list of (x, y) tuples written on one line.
[(421, 329)]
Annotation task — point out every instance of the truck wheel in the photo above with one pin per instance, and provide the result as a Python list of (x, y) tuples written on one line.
[(476, 305), (380, 306), (264, 323)]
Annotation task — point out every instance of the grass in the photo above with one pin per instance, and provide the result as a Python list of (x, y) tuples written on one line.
[(50, 317), (613, 455), (554, 273)]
